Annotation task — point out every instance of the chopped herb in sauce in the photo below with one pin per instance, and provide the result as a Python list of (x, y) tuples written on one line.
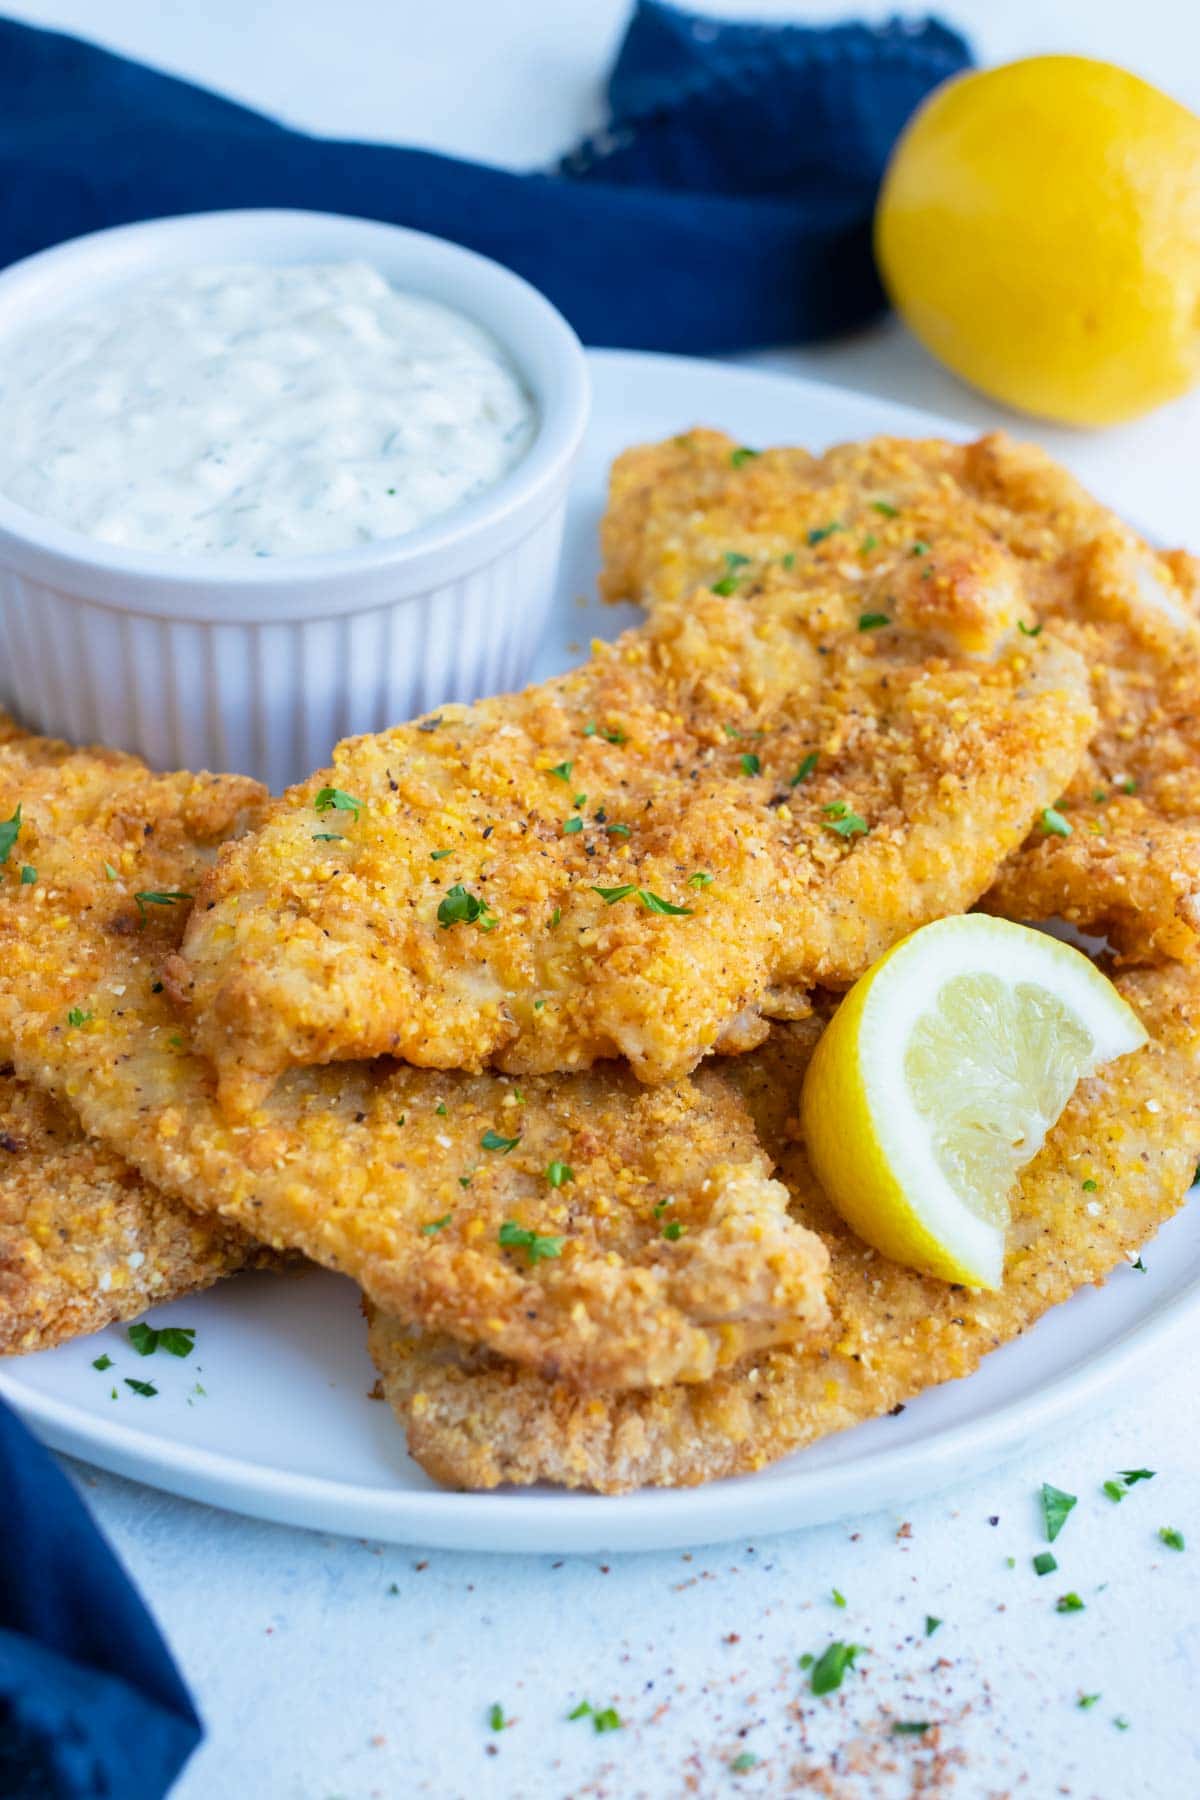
[(1056, 1507)]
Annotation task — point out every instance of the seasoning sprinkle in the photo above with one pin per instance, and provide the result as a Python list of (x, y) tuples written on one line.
[(516, 1237), (333, 799)]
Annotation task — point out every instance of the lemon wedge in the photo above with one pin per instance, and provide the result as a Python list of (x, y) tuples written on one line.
[(938, 1079)]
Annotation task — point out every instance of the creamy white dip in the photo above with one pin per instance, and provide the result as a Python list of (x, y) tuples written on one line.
[(249, 411)]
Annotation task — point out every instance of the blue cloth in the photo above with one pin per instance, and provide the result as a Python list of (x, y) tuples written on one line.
[(91, 1706), (726, 204)]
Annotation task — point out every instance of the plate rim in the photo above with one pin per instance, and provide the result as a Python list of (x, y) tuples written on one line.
[(555, 1521)]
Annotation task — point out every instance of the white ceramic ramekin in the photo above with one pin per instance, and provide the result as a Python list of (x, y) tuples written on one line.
[(261, 666)]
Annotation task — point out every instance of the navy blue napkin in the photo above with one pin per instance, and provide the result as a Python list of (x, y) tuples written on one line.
[(91, 1705), (727, 203)]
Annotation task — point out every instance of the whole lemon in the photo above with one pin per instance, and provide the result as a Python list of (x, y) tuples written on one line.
[(1039, 230)]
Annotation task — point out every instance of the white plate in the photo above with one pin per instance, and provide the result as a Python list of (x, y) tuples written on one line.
[(284, 1428)]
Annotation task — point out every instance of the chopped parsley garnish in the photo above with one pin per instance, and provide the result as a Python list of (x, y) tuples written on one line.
[(436, 1225), (1028, 630), (1056, 1505), (562, 770), (920, 548), (886, 508), (581, 1711), (910, 1727), (869, 543), (609, 735), (700, 879), (1099, 797), (847, 824), (1171, 1538), (742, 455), (652, 902), (166, 898), (464, 1181), (103, 1362), (1089, 1186), (496, 1718), (617, 830), (559, 1173), (743, 1762), (491, 1140), (515, 1237), (333, 837), (1121, 1724), (146, 1388), (727, 585), (571, 825), (673, 1231), (869, 621), (1129, 1476), (735, 560), (788, 561), (806, 768), (838, 1598), (1053, 823), (439, 855), (820, 532), (555, 916), (459, 907), (333, 799), (750, 763), (28, 874), (608, 1720), (1140, 1266), (440, 1109), (830, 1669), (10, 830), (931, 1624), (77, 1018), (1128, 786), (176, 1340), (1114, 1490), (1068, 1603), (1044, 1563), (110, 874), (1086, 1701)]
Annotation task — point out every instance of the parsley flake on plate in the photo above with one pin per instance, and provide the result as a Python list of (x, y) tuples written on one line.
[(176, 1340), (516, 1237), (1086, 1701), (1172, 1538), (147, 1389), (1045, 1563), (103, 1362), (743, 1762), (1114, 1490), (910, 1727), (1069, 1603), (829, 1669), (1056, 1505), (496, 1718), (838, 1598), (1130, 1476), (931, 1624), (608, 1720), (581, 1711), (331, 799)]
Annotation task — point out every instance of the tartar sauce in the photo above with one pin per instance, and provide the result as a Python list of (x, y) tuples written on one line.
[(255, 411)]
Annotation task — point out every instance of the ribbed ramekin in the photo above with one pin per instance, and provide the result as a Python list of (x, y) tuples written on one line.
[(261, 665)]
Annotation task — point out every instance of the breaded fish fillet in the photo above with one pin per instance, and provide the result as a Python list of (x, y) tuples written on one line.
[(83, 1240), (598, 1230), (895, 521), (474, 1421), (640, 858)]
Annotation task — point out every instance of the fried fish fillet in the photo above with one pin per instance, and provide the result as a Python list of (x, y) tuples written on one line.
[(639, 859), (83, 1240), (591, 1227), (475, 1421), (898, 522)]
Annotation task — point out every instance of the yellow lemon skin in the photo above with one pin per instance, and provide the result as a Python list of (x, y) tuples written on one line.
[(1038, 229), (846, 1156)]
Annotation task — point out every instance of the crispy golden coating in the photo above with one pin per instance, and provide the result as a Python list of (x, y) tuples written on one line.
[(1129, 868), (474, 1421), (438, 1193), (84, 1241), (801, 788)]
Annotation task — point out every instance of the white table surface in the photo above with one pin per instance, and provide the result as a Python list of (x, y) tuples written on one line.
[(331, 1670)]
